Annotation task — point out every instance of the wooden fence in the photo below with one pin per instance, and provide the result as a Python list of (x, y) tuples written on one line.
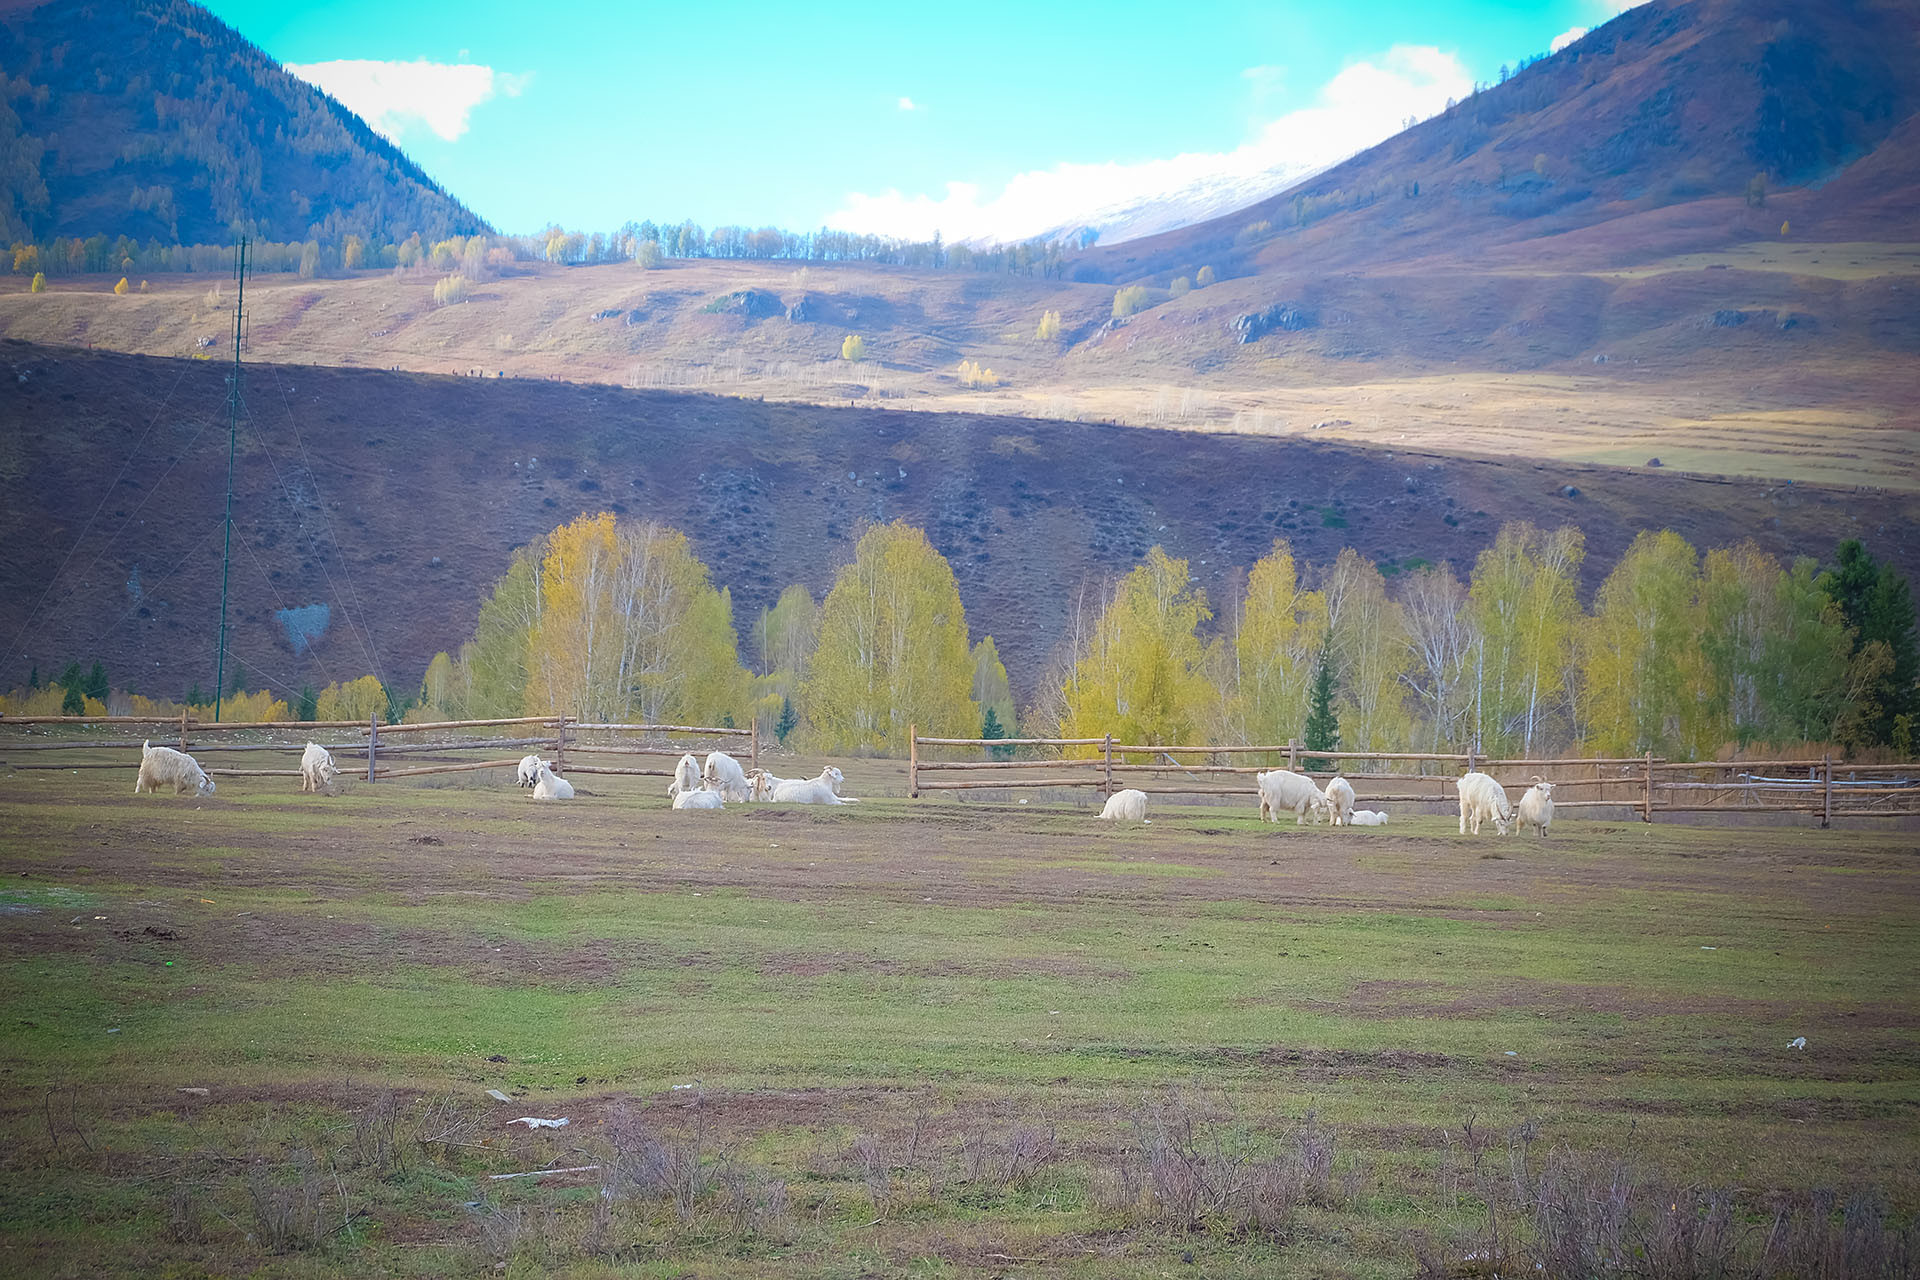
[(1646, 784), (572, 743)]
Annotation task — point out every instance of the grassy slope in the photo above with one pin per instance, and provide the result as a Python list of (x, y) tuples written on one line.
[(825, 975)]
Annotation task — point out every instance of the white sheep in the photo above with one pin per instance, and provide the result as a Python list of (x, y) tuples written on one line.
[(724, 774), (1282, 790), (1482, 798), (686, 775), (548, 785), (1340, 800), (1367, 818), (701, 797), (1536, 807), (1126, 806), (530, 767), (824, 789), (317, 770), (165, 767)]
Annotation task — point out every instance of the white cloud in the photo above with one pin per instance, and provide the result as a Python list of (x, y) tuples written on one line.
[(1366, 102), (394, 97), (1566, 38), (908, 104)]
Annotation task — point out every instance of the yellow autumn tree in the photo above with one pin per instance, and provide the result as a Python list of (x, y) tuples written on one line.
[(443, 694), (1048, 330), (892, 649), (1371, 659), (1639, 652), (1277, 639), (631, 626), (494, 663), (1526, 613), (1141, 671), (354, 700)]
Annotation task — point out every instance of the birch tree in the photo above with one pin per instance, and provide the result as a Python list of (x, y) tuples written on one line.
[(1142, 673), (1526, 613), (1277, 638), (1367, 636), (1442, 644)]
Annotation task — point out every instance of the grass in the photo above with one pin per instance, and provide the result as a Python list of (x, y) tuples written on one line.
[(916, 1038)]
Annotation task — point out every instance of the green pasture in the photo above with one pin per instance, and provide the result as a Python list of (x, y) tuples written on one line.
[(792, 992)]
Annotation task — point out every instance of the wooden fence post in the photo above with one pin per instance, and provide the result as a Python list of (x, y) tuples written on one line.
[(753, 741), (1106, 750), (1647, 815), (560, 746), (373, 741), (913, 761), (1293, 755), (183, 728), (1826, 807)]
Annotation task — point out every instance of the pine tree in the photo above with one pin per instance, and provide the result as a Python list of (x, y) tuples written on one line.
[(75, 703), (95, 685), (1322, 731), (195, 698), (990, 727), (309, 704), (787, 721), (1877, 602), (71, 677), (33, 678)]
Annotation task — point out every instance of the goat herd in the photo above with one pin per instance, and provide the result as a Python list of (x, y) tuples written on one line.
[(722, 781)]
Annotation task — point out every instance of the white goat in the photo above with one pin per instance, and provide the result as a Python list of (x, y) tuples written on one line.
[(686, 775), (824, 789), (760, 784), (548, 785), (1340, 800), (1482, 798), (317, 770), (1536, 807), (702, 797), (1282, 790), (1367, 818), (724, 774), (530, 767), (1126, 806), (164, 767)]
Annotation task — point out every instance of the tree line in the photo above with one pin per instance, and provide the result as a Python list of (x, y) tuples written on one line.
[(1678, 653)]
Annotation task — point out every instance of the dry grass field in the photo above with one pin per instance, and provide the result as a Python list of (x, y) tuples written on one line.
[(255, 1033), (1595, 364)]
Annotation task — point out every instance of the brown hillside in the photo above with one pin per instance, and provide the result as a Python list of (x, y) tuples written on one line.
[(354, 491)]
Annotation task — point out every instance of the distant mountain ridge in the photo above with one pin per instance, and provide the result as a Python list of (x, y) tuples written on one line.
[(1675, 103), (152, 119)]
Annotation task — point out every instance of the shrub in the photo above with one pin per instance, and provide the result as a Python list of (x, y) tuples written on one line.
[(1049, 327), (450, 289), (972, 375), (39, 284), (121, 288), (1181, 287), (854, 348), (1204, 277), (1135, 297)]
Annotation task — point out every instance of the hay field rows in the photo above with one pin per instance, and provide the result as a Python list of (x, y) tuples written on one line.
[(913, 1038)]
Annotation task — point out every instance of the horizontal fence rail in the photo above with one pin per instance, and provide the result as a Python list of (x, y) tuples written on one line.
[(1646, 783), (570, 741)]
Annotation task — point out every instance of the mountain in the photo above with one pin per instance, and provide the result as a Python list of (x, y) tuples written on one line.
[(1679, 124), (151, 119), (388, 503)]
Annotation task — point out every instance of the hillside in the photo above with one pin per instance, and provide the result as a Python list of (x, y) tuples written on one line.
[(355, 494), (1653, 126), (151, 119)]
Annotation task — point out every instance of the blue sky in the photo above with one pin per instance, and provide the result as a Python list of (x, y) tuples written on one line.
[(603, 111)]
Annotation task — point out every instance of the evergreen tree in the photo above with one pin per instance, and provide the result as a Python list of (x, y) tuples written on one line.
[(788, 720), (1877, 602), (990, 727), (239, 680), (309, 703), (1323, 726), (196, 698), (95, 685), (33, 678), (71, 677), (74, 704)]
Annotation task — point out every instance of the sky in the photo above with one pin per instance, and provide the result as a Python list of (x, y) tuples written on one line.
[(991, 122)]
